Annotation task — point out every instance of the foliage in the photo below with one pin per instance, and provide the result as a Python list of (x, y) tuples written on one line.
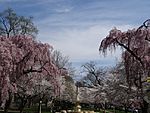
[(69, 93), (137, 50), (136, 54), (24, 59), (28, 68), (12, 24), (118, 91), (67, 86)]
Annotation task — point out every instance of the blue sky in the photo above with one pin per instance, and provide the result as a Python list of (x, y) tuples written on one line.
[(76, 27)]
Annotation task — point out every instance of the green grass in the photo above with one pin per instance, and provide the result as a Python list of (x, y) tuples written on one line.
[(10, 111), (117, 111), (33, 109)]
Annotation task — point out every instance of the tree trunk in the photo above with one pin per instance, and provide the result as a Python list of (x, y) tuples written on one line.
[(29, 102), (8, 34), (148, 110), (126, 110), (145, 107), (22, 104), (46, 102), (21, 109), (8, 103)]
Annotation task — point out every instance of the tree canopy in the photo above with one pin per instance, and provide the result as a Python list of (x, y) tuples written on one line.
[(12, 24), (136, 43), (135, 55), (24, 59)]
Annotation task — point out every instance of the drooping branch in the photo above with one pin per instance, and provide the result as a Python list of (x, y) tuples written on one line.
[(136, 55), (145, 25), (131, 52)]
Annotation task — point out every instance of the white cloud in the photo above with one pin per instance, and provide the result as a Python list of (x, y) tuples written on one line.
[(80, 44), (76, 27), (63, 10)]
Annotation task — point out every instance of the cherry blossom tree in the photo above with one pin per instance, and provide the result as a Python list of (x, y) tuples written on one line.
[(118, 91), (25, 91), (20, 57), (136, 54), (63, 63), (68, 93)]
